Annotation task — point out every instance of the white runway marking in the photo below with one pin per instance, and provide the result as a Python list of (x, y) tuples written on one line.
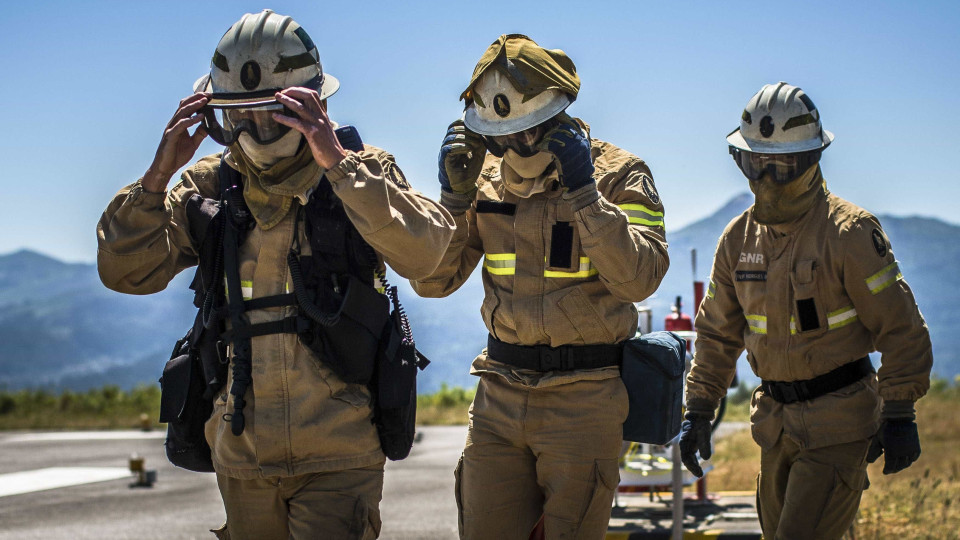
[(57, 477), (83, 436)]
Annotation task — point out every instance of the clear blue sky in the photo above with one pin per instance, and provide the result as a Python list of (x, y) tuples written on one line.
[(88, 87)]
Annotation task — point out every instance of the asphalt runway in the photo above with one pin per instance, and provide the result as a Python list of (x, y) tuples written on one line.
[(417, 502), (87, 491)]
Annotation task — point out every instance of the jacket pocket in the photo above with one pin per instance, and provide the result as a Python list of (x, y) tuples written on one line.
[(488, 311), (582, 315), (848, 414), (808, 316)]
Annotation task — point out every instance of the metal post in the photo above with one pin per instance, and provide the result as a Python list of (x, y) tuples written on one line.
[(677, 492)]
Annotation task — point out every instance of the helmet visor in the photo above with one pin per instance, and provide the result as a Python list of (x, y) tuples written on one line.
[(226, 124), (782, 168)]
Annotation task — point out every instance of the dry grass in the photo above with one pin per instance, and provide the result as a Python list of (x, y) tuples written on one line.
[(922, 502)]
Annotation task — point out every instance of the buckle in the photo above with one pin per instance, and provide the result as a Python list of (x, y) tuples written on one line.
[(556, 359)]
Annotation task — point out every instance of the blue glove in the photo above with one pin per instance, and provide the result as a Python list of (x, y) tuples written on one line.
[(461, 160), (572, 153), (695, 436), (899, 440)]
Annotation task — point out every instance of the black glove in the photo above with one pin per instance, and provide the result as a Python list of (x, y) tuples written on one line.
[(572, 152), (899, 440), (695, 436), (461, 159)]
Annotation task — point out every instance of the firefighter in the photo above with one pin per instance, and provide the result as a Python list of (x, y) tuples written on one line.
[(808, 284), (296, 451), (570, 231)]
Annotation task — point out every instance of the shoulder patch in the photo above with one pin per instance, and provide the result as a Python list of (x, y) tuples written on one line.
[(879, 243), (395, 175), (650, 189)]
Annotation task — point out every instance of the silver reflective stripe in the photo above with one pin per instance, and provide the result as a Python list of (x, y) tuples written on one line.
[(586, 270), (841, 317), (835, 319), (500, 264), (757, 323), (884, 278), (638, 213), (711, 289)]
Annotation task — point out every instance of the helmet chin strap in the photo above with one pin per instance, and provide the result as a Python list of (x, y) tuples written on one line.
[(266, 155)]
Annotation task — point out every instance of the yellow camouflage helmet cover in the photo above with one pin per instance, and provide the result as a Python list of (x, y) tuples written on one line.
[(531, 68)]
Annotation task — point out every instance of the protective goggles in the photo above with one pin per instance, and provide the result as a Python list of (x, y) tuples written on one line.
[(225, 124), (782, 168), (524, 143)]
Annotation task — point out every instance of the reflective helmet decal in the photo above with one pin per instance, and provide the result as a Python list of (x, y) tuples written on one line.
[(501, 105), (250, 75)]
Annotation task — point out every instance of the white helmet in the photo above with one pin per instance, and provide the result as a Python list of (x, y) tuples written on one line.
[(498, 108), (780, 119), (259, 55)]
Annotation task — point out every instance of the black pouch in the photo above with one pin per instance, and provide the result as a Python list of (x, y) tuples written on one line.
[(184, 409), (349, 347), (395, 389), (652, 371)]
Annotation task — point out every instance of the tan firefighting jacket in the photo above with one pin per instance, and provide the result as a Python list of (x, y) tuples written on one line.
[(824, 291), (300, 417), (613, 251)]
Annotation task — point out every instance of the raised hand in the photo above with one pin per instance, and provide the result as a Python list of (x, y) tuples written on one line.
[(571, 151), (177, 145), (312, 121), (461, 159)]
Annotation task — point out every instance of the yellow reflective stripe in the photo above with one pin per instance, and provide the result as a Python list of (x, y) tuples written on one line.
[(841, 317), (586, 270), (757, 323), (711, 289), (638, 213), (500, 264), (793, 326), (884, 278)]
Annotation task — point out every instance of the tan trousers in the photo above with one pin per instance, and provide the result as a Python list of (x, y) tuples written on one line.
[(810, 494), (340, 504), (533, 451)]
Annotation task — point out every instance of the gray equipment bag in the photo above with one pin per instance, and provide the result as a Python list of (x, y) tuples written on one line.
[(652, 371)]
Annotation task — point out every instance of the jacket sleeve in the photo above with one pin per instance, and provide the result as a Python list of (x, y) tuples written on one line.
[(458, 262), (720, 325), (143, 238), (409, 230), (622, 232), (886, 307)]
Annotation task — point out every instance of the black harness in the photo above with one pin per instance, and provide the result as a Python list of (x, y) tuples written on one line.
[(340, 316)]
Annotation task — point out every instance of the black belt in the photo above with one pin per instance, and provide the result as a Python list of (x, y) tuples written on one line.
[(562, 358), (794, 391)]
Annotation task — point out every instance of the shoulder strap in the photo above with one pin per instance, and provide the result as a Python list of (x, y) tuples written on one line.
[(231, 199)]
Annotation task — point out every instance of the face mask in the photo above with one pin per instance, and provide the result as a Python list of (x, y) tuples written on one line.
[(265, 155), (782, 203), (528, 167)]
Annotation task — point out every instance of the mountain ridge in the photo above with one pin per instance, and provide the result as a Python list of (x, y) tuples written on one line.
[(63, 329)]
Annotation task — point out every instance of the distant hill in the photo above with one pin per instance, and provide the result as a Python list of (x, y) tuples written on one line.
[(60, 327)]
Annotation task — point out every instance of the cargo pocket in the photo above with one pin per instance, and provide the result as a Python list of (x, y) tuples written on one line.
[(584, 318), (841, 505), (606, 479), (458, 475), (809, 317)]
